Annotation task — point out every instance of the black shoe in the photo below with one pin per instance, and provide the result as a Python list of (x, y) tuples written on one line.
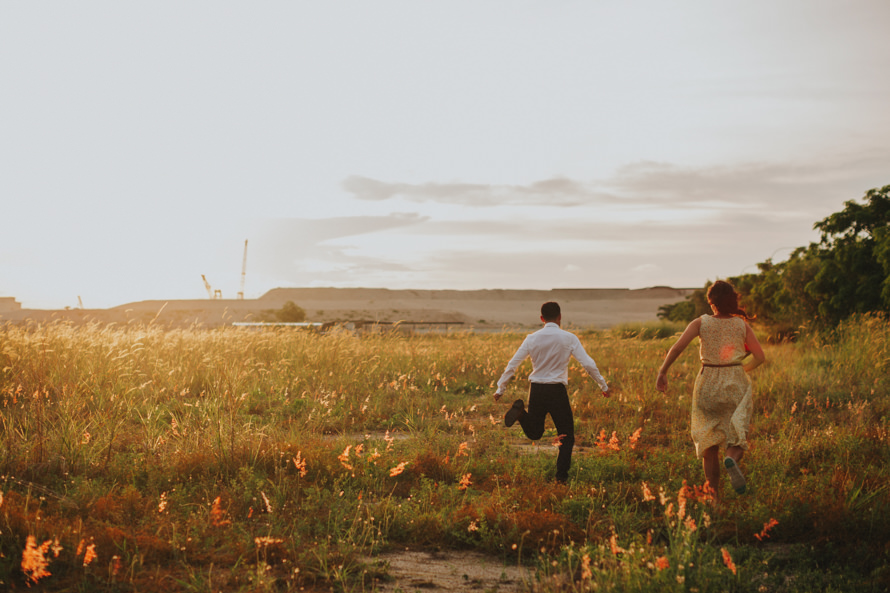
[(516, 411)]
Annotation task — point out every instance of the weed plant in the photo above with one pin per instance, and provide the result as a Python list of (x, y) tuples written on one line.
[(141, 459)]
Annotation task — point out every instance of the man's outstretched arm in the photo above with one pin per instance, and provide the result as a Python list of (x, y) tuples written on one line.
[(514, 363), (590, 366)]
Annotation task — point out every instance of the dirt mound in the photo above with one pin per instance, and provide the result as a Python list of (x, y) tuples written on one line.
[(483, 309)]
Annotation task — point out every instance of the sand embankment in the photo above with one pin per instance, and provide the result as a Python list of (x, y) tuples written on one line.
[(487, 309)]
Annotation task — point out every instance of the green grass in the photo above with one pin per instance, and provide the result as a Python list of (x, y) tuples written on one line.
[(178, 456), (650, 330)]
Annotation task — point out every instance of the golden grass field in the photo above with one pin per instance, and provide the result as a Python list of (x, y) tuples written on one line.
[(137, 458)]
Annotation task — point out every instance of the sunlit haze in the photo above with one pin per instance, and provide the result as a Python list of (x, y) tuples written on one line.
[(404, 144)]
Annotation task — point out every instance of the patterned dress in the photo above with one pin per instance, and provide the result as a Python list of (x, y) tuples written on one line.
[(722, 401)]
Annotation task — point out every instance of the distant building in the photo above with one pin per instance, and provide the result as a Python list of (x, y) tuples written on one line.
[(8, 304)]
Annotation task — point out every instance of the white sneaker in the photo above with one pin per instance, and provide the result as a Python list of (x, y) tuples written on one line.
[(735, 475)]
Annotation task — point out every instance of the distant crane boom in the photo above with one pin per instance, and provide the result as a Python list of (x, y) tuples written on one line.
[(207, 286), (243, 270), (213, 294)]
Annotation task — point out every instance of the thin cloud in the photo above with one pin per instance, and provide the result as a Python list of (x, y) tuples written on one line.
[(650, 223), (800, 188), (556, 191), (294, 248), (782, 188), (624, 233), (311, 231)]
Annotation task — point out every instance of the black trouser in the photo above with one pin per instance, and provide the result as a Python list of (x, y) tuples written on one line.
[(553, 399)]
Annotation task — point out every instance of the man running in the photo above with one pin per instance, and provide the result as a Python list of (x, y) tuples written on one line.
[(550, 349)]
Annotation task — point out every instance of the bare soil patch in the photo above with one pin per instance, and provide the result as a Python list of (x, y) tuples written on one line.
[(410, 570)]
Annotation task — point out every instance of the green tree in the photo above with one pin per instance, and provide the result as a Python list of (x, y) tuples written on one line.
[(682, 311), (777, 295), (847, 272), (694, 305), (854, 249), (290, 313)]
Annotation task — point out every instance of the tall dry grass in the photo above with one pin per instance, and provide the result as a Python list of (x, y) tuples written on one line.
[(233, 460)]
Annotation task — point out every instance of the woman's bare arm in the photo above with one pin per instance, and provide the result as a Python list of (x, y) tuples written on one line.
[(755, 350), (691, 332)]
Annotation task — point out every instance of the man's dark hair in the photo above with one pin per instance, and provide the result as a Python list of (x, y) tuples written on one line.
[(550, 311)]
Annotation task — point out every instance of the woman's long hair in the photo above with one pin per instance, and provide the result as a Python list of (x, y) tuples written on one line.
[(723, 296)]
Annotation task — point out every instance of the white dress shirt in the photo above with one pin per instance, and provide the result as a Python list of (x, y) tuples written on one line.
[(550, 349)]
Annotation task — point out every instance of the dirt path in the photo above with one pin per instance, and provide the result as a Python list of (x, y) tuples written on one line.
[(410, 571)]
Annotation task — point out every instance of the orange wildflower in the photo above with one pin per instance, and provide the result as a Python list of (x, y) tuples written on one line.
[(662, 562), (300, 463), (465, 482), (462, 450), (727, 560), (613, 544), (703, 493), (601, 439), (586, 573), (681, 499), (632, 439), (766, 527), (397, 469), (344, 458), (647, 494), (614, 442), (557, 440), (34, 560), (218, 515), (90, 554)]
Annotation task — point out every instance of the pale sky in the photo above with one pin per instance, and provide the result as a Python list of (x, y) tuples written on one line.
[(426, 144)]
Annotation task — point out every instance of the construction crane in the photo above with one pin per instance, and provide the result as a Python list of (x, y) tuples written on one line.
[(243, 271), (213, 294)]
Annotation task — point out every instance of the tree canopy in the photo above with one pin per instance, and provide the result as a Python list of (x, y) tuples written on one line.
[(845, 273), (291, 312)]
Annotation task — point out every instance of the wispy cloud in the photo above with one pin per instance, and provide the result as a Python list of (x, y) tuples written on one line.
[(312, 231), (783, 188), (650, 223), (557, 191), (799, 188), (293, 249)]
